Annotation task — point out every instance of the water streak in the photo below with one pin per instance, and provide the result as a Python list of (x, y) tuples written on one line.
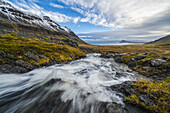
[(80, 86)]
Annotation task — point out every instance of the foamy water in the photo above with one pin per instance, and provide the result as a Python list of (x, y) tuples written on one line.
[(81, 86)]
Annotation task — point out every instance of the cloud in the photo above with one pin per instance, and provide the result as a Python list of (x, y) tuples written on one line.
[(110, 37), (75, 20), (118, 13), (143, 20), (32, 7), (56, 5)]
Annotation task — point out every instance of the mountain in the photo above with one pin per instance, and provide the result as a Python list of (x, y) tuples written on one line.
[(28, 41), (25, 21), (126, 41), (163, 40)]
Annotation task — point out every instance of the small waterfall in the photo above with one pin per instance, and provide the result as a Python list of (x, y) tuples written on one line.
[(81, 86)]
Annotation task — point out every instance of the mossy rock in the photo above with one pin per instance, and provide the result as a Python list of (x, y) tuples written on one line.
[(157, 92)]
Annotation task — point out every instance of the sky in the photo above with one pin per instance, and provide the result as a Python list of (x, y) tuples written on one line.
[(106, 21)]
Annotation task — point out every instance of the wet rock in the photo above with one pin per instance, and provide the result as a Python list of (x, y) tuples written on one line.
[(5, 68), (18, 69), (107, 55), (157, 62), (52, 82), (25, 64), (32, 55), (125, 88), (115, 108), (139, 57), (132, 63), (12, 69), (118, 58)]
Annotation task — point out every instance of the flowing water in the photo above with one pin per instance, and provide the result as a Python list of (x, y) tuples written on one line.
[(81, 86)]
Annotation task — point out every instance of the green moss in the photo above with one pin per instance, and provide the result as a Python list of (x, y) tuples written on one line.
[(158, 92), (140, 69), (149, 56), (2, 61), (18, 46), (126, 58)]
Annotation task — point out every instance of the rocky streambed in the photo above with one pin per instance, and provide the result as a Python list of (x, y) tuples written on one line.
[(152, 94), (81, 86), (95, 84)]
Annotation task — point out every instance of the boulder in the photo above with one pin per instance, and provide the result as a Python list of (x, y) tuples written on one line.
[(5, 68), (107, 55), (118, 57), (139, 57), (12, 69), (157, 62), (32, 56), (18, 69), (24, 64), (125, 88), (115, 108), (132, 63)]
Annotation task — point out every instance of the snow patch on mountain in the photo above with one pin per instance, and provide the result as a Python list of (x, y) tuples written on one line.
[(9, 12)]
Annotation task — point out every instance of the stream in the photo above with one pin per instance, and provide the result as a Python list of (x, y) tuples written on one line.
[(80, 86)]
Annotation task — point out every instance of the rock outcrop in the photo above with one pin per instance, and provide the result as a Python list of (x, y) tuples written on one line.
[(148, 64), (157, 62)]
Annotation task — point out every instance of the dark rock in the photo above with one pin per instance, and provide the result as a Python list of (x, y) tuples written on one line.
[(2, 53), (131, 108), (12, 69), (115, 108), (5, 68), (107, 55), (89, 49), (146, 63), (32, 55), (157, 62), (25, 64), (51, 63), (18, 69), (125, 88), (139, 57), (132, 63), (145, 99), (118, 58), (146, 53), (52, 82)]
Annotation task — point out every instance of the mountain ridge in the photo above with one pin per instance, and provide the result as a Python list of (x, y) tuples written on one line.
[(32, 23), (165, 39)]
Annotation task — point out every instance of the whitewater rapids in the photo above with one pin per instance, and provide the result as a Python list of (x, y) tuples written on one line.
[(81, 86)]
